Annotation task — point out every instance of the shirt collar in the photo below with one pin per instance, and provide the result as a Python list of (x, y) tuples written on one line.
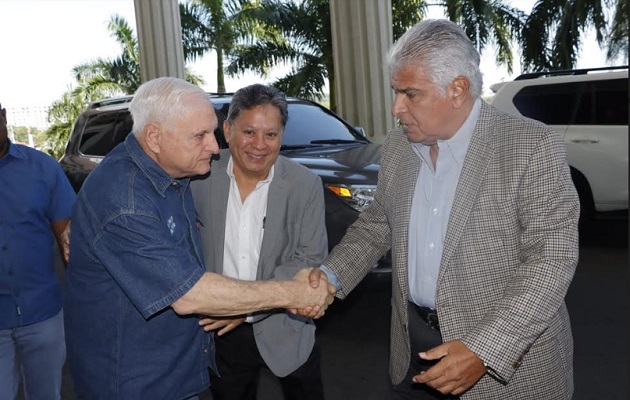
[(158, 177), (14, 151), (458, 144)]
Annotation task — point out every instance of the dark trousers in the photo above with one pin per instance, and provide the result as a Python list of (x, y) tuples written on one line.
[(239, 363), (421, 338)]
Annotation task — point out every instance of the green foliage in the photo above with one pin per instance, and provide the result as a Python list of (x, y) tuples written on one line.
[(553, 32), (618, 35), (98, 79), (407, 13), (21, 134)]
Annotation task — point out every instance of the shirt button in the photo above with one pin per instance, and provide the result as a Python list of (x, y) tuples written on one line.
[(434, 211), (431, 245), (4, 247)]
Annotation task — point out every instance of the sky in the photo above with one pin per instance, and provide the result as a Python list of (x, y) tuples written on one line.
[(42, 40)]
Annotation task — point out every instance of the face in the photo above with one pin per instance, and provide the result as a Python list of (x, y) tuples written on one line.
[(186, 148), (4, 134), (255, 138), (424, 114)]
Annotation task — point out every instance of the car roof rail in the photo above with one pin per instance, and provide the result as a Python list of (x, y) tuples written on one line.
[(582, 71), (110, 101)]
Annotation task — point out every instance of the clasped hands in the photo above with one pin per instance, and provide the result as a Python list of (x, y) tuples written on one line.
[(312, 291)]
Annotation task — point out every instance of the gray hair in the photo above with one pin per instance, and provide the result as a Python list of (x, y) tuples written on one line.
[(257, 95), (441, 49), (164, 101)]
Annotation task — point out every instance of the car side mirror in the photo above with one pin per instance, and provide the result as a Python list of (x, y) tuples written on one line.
[(360, 130)]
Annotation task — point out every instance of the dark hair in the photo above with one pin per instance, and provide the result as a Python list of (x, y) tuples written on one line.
[(257, 95)]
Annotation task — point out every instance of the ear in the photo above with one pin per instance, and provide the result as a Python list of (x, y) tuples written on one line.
[(153, 137), (226, 131), (458, 91)]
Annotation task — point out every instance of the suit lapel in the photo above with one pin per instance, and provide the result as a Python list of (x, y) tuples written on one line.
[(220, 190), (407, 175), (473, 172), (276, 204)]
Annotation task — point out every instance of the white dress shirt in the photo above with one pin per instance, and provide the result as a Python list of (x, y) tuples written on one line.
[(431, 207), (244, 228)]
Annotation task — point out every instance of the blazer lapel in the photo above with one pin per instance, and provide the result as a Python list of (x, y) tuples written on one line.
[(473, 172), (407, 176), (276, 204), (220, 190)]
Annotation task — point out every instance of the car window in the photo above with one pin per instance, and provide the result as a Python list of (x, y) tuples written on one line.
[(309, 122), (102, 132), (604, 102), (551, 104), (597, 102)]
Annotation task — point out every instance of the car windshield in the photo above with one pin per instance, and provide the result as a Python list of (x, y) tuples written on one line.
[(309, 125)]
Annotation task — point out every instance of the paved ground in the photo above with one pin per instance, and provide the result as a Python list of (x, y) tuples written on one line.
[(354, 332)]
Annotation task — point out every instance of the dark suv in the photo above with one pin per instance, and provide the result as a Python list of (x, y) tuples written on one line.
[(314, 136)]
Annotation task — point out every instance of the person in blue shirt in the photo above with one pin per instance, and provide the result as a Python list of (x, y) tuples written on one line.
[(35, 203), (136, 281)]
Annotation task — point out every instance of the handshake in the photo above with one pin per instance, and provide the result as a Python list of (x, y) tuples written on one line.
[(308, 294), (313, 293)]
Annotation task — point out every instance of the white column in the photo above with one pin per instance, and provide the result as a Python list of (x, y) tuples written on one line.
[(361, 36), (159, 39)]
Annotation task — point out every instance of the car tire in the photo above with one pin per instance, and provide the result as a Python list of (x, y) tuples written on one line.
[(587, 205)]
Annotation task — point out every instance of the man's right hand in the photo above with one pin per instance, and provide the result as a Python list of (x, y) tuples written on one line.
[(314, 299)]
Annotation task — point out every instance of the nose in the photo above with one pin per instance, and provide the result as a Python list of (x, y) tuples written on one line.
[(258, 141), (398, 107), (211, 144)]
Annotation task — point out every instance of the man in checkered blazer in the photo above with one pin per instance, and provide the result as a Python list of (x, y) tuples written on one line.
[(481, 215)]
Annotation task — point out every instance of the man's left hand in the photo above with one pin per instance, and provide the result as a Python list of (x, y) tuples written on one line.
[(224, 325), (457, 371)]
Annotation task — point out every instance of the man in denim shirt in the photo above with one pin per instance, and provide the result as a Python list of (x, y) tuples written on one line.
[(136, 279)]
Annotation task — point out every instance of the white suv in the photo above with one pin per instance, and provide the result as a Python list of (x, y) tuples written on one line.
[(589, 107)]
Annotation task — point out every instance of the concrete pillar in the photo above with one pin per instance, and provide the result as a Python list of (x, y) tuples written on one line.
[(159, 39), (361, 36)]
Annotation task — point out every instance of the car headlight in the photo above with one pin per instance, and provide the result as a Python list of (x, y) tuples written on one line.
[(359, 197)]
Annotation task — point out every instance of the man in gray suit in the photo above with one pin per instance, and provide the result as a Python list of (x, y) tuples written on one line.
[(481, 215), (263, 219)]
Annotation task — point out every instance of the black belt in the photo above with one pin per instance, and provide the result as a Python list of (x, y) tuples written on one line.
[(428, 315)]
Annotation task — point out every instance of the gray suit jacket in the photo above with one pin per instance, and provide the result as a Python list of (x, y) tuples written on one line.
[(294, 238), (510, 253)]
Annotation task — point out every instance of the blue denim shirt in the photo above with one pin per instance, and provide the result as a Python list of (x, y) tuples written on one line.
[(134, 250), (34, 192)]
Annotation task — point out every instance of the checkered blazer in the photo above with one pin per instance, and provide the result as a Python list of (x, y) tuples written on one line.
[(510, 253)]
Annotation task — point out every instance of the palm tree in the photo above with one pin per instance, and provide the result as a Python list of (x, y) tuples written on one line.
[(406, 13), (552, 35), (98, 79), (215, 25), (62, 114), (206, 26), (489, 22), (297, 34), (618, 36), (121, 75)]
